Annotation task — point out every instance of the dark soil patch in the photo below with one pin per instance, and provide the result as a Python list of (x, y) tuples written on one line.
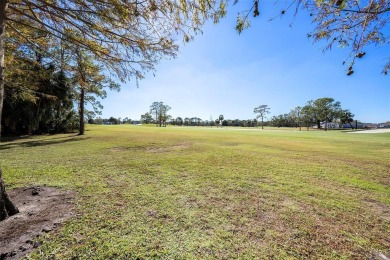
[(42, 210)]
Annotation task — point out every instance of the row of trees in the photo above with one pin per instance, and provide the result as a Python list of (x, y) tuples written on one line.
[(109, 121), (158, 114), (196, 121), (320, 112)]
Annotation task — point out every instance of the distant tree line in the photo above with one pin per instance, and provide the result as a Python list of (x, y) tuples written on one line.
[(158, 114), (196, 121), (110, 121), (323, 113)]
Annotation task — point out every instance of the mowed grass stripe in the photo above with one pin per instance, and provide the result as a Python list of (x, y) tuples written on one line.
[(188, 192)]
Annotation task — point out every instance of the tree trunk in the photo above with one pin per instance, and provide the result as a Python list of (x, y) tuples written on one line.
[(3, 7), (299, 123), (326, 124), (82, 82), (81, 111), (7, 208), (262, 123)]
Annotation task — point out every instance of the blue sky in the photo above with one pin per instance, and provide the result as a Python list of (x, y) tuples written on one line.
[(271, 63)]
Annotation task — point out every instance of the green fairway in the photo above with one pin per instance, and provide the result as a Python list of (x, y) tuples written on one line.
[(187, 192)]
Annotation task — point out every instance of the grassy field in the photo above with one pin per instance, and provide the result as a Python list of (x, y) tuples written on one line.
[(186, 193)]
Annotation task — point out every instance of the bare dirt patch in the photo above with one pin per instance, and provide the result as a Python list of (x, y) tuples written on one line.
[(42, 210), (166, 149), (153, 149), (380, 209)]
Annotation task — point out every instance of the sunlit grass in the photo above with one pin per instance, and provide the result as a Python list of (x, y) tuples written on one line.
[(195, 192)]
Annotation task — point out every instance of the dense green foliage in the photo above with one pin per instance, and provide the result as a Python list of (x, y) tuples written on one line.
[(322, 112), (37, 104), (197, 193), (159, 113)]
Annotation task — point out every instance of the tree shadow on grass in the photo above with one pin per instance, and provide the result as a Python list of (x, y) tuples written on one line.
[(10, 143)]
